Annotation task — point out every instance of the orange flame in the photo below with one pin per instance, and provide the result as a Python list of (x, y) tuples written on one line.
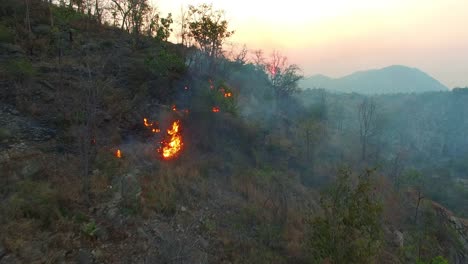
[(147, 124), (215, 109), (151, 125), (118, 154), (173, 146), (228, 94), (174, 108)]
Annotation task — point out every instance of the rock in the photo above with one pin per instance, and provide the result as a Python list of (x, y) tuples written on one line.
[(31, 168), (41, 29), (399, 238), (98, 254), (204, 243), (9, 259), (11, 49), (84, 257), (112, 212), (141, 233), (102, 234), (2, 252), (131, 188), (183, 209)]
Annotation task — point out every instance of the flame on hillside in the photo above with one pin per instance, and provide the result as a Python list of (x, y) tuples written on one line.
[(146, 123), (171, 147), (118, 154), (215, 109), (151, 125)]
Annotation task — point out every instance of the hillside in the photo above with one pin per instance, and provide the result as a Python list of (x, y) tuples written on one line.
[(117, 146), (392, 79)]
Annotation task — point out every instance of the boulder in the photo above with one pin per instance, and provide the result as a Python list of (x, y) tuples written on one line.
[(84, 257)]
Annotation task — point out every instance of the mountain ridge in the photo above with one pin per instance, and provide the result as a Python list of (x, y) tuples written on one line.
[(387, 80)]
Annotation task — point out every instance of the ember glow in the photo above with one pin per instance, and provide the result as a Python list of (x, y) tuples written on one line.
[(118, 154), (215, 109), (172, 147), (151, 125), (228, 94), (174, 108), (146, 123)]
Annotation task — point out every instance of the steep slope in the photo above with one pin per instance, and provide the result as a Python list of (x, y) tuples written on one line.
[(392, 79)]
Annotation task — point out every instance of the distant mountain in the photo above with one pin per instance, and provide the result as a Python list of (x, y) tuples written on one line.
[(392, 79)]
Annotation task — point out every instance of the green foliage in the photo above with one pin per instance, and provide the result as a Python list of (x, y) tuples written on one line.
[(285, 80), (4, 134), (34, 200), (6, 34), (164, 62), (90, 229), (350, 229), (214, 94), (164, 28), (436, 260), (208, 28), (19, 69), (65, 17), (208, 226), (411, 178)]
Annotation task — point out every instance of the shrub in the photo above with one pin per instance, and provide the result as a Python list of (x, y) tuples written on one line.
[(34, 200), (6, 34), (19, 69), (90, 229), (164, 62)]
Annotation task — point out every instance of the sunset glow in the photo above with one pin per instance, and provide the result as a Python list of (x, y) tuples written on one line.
[(337, 37)]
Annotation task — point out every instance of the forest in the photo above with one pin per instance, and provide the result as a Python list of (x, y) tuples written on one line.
[(131, 136)]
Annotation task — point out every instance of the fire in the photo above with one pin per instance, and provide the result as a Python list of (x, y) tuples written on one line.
[(118, 154), (174, 108), (173, 146), (228, 94), (215, 109), (151, 125), (147, 124)]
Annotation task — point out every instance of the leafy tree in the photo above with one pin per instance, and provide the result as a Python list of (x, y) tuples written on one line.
[(164, 28), (283, 77), (131, 13), (349, 231), (209, 28)]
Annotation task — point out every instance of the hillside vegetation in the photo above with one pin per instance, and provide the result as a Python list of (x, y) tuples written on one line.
[(93, 93)]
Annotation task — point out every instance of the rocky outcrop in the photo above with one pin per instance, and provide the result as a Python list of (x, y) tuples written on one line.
[(15, 128), (459, 225)]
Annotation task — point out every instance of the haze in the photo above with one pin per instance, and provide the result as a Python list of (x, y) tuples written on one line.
[(338, 37)]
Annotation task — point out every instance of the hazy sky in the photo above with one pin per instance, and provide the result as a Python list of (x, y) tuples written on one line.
[(338, 37)]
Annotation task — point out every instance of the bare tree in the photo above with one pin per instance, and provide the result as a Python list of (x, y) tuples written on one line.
[(183, 33), (86, 127), (367, 124)]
